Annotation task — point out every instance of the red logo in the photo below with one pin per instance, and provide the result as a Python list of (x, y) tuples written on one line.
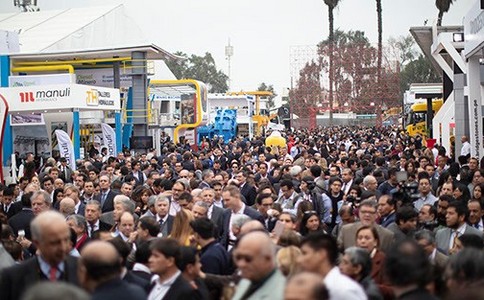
[(27, 97)]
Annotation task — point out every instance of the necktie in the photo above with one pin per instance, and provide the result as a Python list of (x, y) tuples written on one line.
[(456, 235), (161, 223), (103, 198), (93, 228), (53, 274)]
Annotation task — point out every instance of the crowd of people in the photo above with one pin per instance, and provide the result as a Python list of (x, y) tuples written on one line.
[(338, 213)]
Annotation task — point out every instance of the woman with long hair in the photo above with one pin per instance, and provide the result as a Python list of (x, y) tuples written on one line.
[(478, 192), (461, 192), (140, 196), (182, 231), (310, 223), (287, 260)]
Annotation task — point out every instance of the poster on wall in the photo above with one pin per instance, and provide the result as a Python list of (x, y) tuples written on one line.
[(27, 119), (187, 109)]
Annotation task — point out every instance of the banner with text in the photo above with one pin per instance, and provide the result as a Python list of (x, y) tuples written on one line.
[(66, 148), (109, 139)]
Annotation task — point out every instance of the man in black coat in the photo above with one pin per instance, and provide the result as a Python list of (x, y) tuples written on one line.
[(163, 261), (106, 195), (235, 206), (50, 235), (22, 220), (7, 206), (248, 191), (99, 273)]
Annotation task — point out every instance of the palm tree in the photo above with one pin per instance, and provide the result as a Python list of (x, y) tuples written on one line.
[(331, 6), (443, 6), (378, 76)]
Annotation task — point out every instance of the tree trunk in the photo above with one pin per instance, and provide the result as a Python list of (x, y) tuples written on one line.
[(379, 98), (440, 17), (331, 75)]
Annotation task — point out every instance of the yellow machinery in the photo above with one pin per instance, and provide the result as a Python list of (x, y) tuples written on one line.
[(417, 118)]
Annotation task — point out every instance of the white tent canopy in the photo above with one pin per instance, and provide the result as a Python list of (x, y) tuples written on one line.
[(73, 29)]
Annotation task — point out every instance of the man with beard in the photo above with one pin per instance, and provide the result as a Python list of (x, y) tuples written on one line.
[(456, 226), (442, 205)]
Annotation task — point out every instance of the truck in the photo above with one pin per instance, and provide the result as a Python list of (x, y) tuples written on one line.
[(416, 123)]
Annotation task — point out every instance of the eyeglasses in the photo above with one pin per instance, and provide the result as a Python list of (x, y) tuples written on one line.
[(309, 212), (247, 258)]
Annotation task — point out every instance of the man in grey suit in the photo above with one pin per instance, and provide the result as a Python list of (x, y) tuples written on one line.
[(367, 215), (255, 258), (455, 219), (214, 212), (426, 239)]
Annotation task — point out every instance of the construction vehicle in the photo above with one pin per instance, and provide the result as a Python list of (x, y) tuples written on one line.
[(416, 123)]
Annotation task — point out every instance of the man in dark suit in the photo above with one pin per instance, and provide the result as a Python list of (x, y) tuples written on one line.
[(207, 178), (124, 250), (100, 255), (235, 206), (50, 235), (106, 196), (7, 207), (262, 174), (92, 214), (65, 172), (247, 190), (165, 220), (214, 212), (163, 261), (213, 256), (22, 220)]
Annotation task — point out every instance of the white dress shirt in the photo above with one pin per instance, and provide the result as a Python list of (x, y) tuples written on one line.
[(341, 287), (161, 288)]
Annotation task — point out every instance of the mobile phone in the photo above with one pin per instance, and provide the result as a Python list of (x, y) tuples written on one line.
[(279, 228), (21, 233)]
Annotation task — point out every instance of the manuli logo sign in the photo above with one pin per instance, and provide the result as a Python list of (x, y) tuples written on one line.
[(44, 95)]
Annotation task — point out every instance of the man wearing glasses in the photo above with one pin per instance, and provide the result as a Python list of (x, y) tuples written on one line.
[(367, 214)]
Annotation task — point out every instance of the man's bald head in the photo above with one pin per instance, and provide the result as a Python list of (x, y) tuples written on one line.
[(255, 255), (100, 262), (67, 206), (100, 251), (251, 226), (307, 286), (46, 219)]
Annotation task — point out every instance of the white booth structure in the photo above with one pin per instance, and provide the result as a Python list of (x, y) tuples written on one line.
[(59, 98), (474, 91)]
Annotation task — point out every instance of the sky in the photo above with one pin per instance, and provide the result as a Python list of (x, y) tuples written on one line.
[(262, 32)]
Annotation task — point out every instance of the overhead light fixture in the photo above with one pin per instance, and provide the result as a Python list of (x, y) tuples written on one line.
[(458, 37)]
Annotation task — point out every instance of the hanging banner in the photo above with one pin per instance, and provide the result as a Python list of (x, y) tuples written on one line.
[(3, 119), (65, 148), (109, 139)]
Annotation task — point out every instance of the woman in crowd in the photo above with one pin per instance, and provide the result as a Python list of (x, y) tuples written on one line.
[(310, 223), (287, 260), (182, 231), (461, 192), (477, 192), (140, 196), (367, 238)]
